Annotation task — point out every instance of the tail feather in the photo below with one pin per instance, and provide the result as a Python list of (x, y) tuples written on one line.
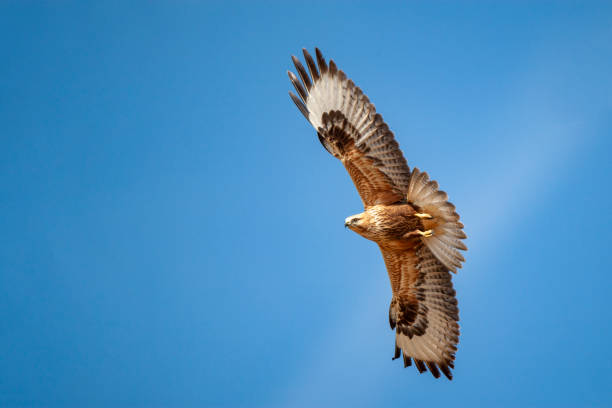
[(447, 230)]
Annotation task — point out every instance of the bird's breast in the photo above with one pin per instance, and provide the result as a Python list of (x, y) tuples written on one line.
[(389, 223)]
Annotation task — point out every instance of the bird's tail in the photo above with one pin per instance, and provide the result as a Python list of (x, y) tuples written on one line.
[(447, 231)]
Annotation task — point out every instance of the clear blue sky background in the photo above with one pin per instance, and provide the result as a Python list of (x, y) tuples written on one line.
[(172, 231)]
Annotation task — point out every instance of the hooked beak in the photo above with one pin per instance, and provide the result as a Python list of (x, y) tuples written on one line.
[(350, 221)]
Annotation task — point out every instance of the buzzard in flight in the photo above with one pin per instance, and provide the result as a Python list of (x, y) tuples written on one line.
[(416, 228)]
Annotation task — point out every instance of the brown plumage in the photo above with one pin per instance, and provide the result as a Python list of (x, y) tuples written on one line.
[(416, 228)]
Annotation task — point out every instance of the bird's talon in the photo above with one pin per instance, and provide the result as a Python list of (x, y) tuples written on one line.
[(423, 216), (426, 234)]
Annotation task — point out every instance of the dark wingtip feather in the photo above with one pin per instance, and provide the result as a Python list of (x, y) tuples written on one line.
[(420, 366), (446, 371), (333, 69), (302, 72), (407, 361), (299, 104), (298, 86), (321, 61), (433, 368), (398, 352), (312, 67)]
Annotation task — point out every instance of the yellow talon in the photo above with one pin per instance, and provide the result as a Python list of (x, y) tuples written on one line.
[(423, 215), (425, 234)]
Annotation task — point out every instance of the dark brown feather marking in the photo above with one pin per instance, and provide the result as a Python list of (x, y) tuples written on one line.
[(446, 371), (333, 70), (321, 61), (298, 86), (433, 368), (420, 366), (302, 72), (392, 321), (312, 67), (398, 352)]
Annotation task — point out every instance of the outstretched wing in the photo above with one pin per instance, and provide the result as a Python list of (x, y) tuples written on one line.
[(423, 309), (351, 130)]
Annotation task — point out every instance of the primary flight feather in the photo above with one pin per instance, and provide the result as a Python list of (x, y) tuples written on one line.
[(416, 228)]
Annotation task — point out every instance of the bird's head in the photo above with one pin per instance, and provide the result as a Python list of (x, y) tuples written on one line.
[(355, 222)]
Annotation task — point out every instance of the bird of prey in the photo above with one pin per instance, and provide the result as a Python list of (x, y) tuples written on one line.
[(415, 226)]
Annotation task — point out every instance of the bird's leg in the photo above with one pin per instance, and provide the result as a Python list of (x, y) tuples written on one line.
[(418, 233), (423, 216)]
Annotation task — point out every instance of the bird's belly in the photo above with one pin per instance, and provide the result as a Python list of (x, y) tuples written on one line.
[(402, 244)]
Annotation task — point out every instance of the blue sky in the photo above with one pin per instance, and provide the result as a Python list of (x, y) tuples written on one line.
[(173, 230)]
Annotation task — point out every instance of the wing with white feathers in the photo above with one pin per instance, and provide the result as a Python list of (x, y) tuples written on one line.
[(350, 129), (423, 309)]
